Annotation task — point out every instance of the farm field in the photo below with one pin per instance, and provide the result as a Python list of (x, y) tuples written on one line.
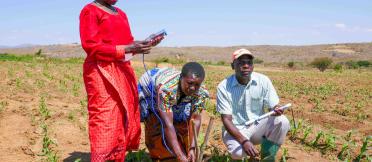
[(43, 112)]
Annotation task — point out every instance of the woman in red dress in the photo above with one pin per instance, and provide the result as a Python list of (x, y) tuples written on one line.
[(110, 82)]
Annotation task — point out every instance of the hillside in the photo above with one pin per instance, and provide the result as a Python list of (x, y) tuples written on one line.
[(267, 53)]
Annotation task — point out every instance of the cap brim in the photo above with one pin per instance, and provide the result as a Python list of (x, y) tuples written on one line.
[(252, 57)]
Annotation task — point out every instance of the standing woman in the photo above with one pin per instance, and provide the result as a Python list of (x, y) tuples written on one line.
[(110, 82)]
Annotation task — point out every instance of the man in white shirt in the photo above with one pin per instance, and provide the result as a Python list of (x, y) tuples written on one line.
[(242, 97)]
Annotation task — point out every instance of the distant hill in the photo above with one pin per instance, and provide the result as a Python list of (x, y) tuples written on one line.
[(267, 53)]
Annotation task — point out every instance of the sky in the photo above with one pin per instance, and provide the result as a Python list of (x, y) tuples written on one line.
[(197, 22)]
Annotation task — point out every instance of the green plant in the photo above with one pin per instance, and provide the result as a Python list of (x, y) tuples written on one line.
[(39, 83), (290, 64), (18, 82), (139, 156), (363, 149), (338, 68), (77, 160), (3, 105), (71, 115), (344, 154), (44, 111), (318, 105), (284, 155), (348, 135), (75, 89), (83, 109), (221, 63), (211, 108), (295, 128), (47, 148), (364, 63), (321, 63), (47, 75), (330, 141), (307, 131), (63, 85), (18, 58), (257, 61), (218, 155), (28, 73), (38, 53), (361, 116), (314, 143), (352, 64)]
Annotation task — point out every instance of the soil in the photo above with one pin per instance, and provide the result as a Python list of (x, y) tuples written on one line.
[(21, 134)]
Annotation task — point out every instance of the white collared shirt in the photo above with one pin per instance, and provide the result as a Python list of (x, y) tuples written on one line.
[(245, 102)]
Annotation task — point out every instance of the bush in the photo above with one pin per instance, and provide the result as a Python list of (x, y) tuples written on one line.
[(352, 64), (38, 53), (168, 60), (290, 64), (221, 63), (162, 59), (257, 61), (338, 68), (322, 63), (363, 63)]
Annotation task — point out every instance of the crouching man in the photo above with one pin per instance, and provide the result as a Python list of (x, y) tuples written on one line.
[(242, 97)]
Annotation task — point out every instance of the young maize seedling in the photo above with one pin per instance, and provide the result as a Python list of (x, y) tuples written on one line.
[(316, 140), (296, 128), (344, 154), (43, 109), (364, 148), (348, 135), (284, 155), (330, 141), (307, 131)]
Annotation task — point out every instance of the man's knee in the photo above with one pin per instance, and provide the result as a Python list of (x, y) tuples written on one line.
[(283, 122), (235, 150), (236, 153)]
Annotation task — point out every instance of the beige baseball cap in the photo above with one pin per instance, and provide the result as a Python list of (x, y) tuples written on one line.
[(241, 52)]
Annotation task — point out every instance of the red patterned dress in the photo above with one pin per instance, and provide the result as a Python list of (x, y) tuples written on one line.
[(110, 82)]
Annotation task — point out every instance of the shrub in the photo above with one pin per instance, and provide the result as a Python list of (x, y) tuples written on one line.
[(363, 63), (290, 64), (168, 60), (221, 63), (352, 64), (257, 61), (338, 68), (322, 63), (38, 53), (162, 59)]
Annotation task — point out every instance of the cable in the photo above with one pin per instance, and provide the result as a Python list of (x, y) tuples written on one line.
[(153, 107)]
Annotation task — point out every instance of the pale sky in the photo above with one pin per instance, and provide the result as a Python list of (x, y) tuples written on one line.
[(198, 23)]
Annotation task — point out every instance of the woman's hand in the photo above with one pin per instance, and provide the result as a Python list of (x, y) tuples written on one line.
[(156, 40), (138, 47), (191, 155), (182, 158)]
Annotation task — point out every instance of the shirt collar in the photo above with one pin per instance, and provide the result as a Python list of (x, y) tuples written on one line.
[(253, 80)]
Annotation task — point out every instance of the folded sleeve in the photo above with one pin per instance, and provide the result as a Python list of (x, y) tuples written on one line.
[(92, 42)]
